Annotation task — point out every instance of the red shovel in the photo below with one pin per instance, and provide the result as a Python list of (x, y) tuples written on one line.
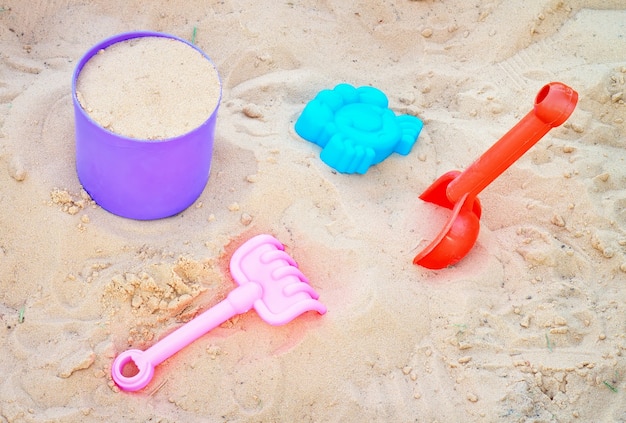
[(458, 191)]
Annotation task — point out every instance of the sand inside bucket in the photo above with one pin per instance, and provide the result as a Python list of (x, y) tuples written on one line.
[(151, 88)]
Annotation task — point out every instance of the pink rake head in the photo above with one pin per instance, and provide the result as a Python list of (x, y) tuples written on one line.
[(286, 291)]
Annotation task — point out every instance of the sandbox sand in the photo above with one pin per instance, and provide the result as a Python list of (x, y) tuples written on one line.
[(529, 327), (149, 88)]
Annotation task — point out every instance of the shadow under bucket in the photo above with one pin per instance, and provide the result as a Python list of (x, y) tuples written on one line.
[(141, 178)]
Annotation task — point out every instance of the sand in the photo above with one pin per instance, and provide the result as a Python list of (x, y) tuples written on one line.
[(529, 327), (149, 88)]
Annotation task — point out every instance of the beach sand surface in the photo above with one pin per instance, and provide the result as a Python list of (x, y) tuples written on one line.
[(529, 327)]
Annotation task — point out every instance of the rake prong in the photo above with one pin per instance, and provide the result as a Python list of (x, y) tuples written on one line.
[(283, 272), (296, 288), (287, 315), (274, 255)]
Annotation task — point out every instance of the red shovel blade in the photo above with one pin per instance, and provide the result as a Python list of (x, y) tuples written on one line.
[(455, 239), (460, 231), (436, 193)]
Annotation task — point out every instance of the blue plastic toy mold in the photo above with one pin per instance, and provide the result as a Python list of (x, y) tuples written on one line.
[(355, 128)]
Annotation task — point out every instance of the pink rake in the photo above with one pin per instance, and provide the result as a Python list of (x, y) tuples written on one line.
[(269, 281)]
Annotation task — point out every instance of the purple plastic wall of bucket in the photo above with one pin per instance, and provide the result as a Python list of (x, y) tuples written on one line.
[(140, 179)]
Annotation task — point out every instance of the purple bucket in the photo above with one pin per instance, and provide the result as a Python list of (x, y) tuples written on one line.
[(137, 178)]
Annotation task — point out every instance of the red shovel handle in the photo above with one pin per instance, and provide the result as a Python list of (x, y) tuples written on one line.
[(553, 105)]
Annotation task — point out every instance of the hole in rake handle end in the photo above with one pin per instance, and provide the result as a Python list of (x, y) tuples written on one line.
[(131, 371)]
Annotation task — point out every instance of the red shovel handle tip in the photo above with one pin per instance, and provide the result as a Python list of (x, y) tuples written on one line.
[(554, 103)]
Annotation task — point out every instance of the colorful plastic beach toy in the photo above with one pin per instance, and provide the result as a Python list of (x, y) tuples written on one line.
[(458, 191), (137, 178), (355, 128), (269, 281)]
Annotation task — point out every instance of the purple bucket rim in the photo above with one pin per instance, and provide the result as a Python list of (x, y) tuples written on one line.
[(107, 42)]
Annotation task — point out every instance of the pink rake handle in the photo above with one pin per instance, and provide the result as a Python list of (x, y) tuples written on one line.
[(279, 293), (238, 301)]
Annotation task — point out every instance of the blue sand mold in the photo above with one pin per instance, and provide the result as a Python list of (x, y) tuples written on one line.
[(355, 128)]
